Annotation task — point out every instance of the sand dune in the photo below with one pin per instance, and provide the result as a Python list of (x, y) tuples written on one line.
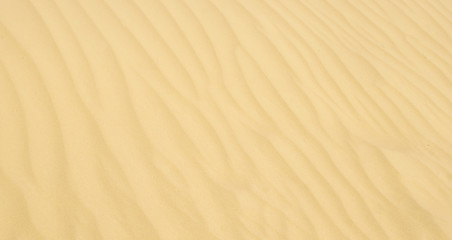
[(224, 119)]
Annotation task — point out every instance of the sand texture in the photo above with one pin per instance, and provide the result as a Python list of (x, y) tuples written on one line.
[(225, 119)]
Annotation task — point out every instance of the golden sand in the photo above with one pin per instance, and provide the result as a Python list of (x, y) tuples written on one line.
[(225, 119)]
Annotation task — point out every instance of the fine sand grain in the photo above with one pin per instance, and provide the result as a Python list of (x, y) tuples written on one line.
[(225, 119)]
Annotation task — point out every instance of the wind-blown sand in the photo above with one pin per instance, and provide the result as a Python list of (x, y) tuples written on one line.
[(225, 119)]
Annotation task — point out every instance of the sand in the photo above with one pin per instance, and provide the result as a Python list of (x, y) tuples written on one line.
[(225, 119)]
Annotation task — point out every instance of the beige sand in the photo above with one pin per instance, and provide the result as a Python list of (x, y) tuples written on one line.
[(225, 119)]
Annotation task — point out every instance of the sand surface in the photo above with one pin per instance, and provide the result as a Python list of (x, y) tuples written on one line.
[(225, 119)]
